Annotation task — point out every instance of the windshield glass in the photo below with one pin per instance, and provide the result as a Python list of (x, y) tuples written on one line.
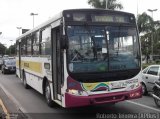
[(102, 48), (11, 62)]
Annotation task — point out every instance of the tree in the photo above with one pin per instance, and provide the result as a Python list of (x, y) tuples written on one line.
[(112, 4), (145, 23), (2, 49), (12, 50), (149, 30)]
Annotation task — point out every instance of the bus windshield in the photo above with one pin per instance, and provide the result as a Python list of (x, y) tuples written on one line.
[(102, 48)]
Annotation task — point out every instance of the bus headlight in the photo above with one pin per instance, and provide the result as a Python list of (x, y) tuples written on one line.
[(132, 84), (77, 92)]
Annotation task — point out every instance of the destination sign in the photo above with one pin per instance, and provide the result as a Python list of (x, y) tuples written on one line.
[(109, 18)]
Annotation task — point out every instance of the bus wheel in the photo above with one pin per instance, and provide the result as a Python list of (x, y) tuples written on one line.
[(24, 81), (48, 95)]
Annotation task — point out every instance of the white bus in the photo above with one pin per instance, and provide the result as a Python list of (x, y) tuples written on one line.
[(82, 57)]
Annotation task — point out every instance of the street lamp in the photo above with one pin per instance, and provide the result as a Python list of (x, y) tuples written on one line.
[(33, 14), (152, 10), (19, 28)]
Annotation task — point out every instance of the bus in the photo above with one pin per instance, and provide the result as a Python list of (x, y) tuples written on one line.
[(82, 57)]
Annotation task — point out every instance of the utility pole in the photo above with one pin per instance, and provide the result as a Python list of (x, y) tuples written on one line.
[(152, 10), (106, 4), (102, 1), (137, 8), (10, 46)]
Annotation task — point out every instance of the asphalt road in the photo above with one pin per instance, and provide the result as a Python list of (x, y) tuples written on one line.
[(33, 104)]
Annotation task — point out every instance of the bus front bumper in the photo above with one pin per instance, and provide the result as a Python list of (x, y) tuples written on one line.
[(77, 101)]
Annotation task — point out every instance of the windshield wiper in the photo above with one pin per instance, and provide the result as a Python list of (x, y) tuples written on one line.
[(94, 48)]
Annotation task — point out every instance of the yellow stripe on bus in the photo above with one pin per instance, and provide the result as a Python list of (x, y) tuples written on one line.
[(30, 65)]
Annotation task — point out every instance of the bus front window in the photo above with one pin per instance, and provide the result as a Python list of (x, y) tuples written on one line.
[(102, 49), (123, 48)]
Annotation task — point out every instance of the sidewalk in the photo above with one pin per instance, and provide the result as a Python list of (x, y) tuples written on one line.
[(8, 109)]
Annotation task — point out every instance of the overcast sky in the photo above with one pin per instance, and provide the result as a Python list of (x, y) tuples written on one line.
[(16, 13)]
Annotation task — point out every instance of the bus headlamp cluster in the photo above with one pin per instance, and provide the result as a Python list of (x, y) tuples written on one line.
[(77, 92), (134, 83)]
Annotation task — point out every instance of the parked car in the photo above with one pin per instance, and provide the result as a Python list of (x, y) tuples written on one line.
[(1, 61), (149, 75), (5, 57), (9, 66)]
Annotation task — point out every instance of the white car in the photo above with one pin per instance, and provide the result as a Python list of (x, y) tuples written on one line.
[(149, 75)]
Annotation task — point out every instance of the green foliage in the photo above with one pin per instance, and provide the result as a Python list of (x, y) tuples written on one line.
[(9, 51), (145, 23), (147, 64), (12, 50), (112, 4), (150, 30), (2, 49)]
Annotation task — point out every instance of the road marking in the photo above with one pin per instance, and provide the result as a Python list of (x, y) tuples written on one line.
[(12, 98), (145, 106), (4, 109)]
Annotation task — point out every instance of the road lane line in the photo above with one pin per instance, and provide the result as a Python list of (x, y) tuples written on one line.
[(145, 106), (4, 109)]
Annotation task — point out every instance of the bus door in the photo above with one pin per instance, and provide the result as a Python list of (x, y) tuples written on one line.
[(56, 64)]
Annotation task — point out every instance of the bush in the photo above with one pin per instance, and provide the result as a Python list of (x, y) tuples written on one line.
[(157, 61), (146, 65)]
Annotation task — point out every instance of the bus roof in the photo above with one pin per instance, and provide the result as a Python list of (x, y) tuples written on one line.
[(60, 15), (55, 18)]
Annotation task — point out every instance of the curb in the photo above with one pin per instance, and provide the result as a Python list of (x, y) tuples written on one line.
[(4, 111), (9, 108)]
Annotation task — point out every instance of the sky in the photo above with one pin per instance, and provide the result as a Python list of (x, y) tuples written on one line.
[(16, 13)]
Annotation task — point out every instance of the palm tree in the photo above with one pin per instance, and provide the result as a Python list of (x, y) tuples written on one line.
[(145, 26), (112, 4), (145, 23), (150, 33)]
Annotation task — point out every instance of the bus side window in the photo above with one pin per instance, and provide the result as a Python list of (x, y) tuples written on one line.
[(35, 44), (29, 49), (46, 41), (23, 47), (17, 48)]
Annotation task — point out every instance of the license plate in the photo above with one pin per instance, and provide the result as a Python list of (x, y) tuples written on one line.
[(118, 85)]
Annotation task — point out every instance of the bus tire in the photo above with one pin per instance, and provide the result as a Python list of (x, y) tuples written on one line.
[(48, 94), (24, 81)]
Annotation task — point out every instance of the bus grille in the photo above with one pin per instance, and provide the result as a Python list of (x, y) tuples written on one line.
[(110, 99)]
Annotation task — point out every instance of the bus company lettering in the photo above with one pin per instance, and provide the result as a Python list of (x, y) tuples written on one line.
[(26, 64)]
